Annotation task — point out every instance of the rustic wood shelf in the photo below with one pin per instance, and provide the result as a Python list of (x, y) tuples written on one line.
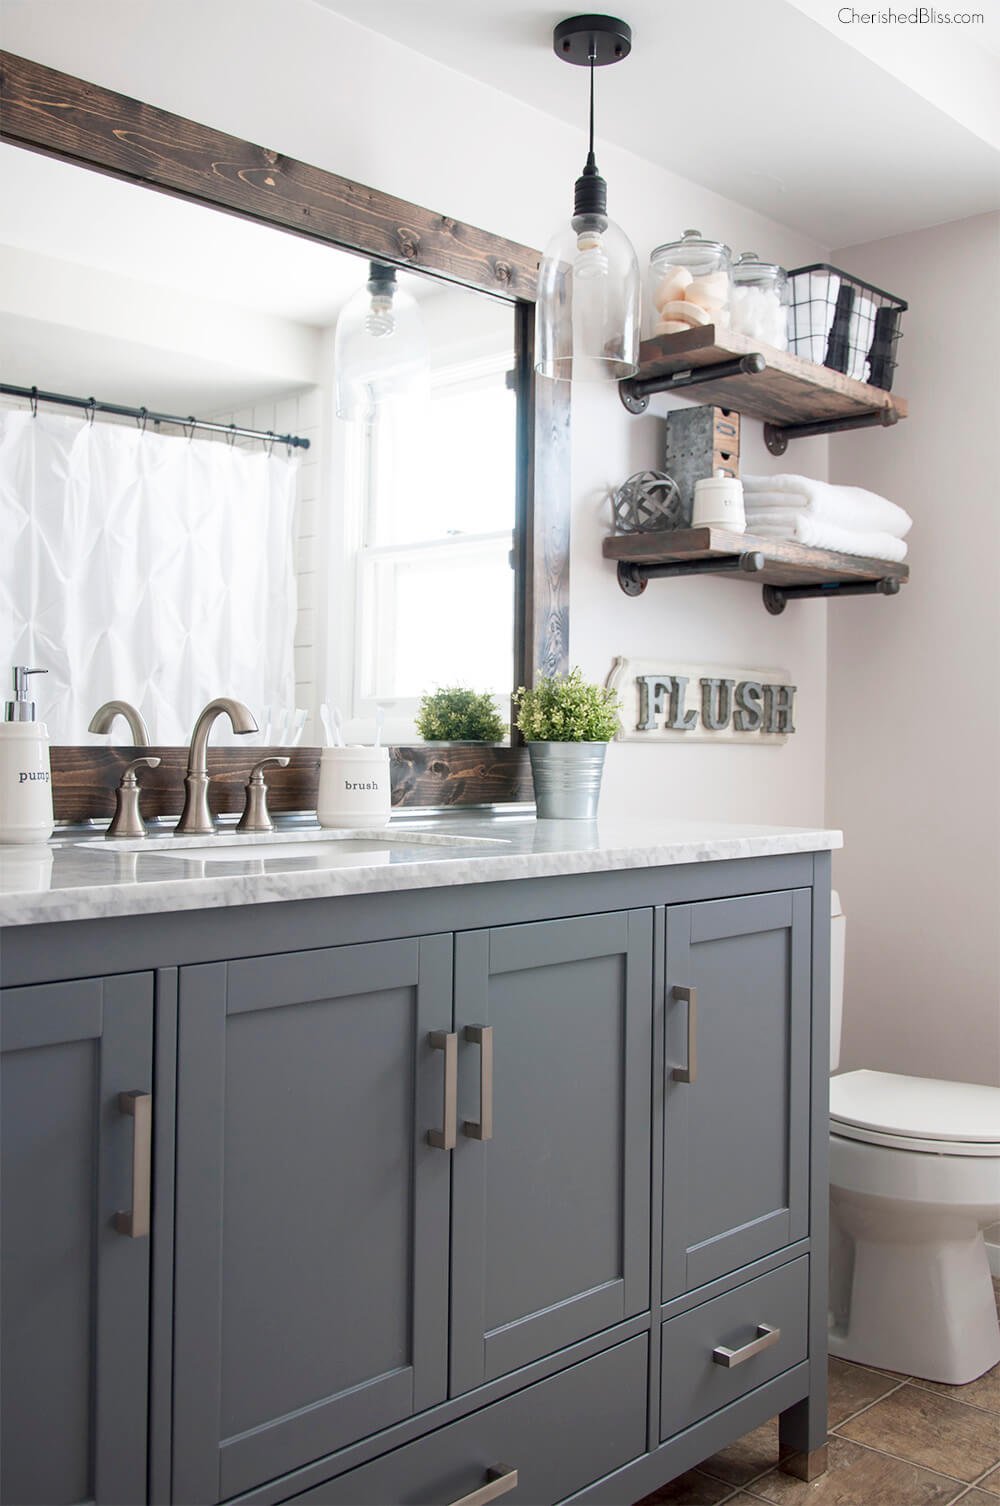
[(794, 397), (785, 569)]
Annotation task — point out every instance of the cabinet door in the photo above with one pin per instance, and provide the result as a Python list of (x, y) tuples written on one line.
[(75, 1290), (736, 1139), (312, 1213), (550, 1216)]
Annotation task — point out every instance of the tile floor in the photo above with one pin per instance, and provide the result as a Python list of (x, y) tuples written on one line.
[(894, 1441)]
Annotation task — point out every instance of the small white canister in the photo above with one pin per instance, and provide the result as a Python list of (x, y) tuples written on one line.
[(718, 503), (354, 787)]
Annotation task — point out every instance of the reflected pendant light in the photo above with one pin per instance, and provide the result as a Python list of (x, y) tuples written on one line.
[(587, 309), (380, 349)]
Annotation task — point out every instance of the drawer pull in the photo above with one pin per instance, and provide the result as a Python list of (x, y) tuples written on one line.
[(482, 1036), (444, 1138), (690, 1072), (766, 1337), (499, 1480), (139, 1106)]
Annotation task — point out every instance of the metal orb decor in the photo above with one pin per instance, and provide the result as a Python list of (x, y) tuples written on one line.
[(647, 501)]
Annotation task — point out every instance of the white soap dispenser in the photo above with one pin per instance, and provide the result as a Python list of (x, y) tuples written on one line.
[(25, 776)]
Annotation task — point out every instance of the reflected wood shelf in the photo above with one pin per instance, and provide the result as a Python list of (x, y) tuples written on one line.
[(785, 569), (793, 397)]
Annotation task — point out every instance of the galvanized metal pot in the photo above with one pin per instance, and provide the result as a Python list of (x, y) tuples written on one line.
[(567, 779)]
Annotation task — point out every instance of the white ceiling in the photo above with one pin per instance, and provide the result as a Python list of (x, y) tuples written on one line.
[(760, 102)]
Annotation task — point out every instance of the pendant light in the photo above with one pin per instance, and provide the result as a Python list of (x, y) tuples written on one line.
[(587, 309), (380, 347)]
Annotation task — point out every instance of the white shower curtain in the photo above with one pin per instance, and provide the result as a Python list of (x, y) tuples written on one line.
[(148, 567)]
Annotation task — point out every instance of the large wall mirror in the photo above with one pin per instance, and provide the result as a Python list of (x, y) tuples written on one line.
[(416, 538)]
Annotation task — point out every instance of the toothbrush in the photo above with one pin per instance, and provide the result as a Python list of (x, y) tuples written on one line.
[(324, 716), (338, 728), (297, 727), (266, 723)]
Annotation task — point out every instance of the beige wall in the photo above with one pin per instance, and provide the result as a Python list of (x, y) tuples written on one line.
[(913, 751)]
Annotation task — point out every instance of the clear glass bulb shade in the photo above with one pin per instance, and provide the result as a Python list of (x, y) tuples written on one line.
[(380, 352), (587, 311)]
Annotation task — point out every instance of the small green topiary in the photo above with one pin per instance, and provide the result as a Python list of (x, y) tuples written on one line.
[(566, 709), (455, 714)]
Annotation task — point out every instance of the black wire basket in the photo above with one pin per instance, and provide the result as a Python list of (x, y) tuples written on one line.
[(839, 321)]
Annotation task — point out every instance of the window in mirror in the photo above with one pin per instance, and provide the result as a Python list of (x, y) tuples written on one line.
[(434, 568), (401, 526)]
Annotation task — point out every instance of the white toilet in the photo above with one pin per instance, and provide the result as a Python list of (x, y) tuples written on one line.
[(914, 1181)]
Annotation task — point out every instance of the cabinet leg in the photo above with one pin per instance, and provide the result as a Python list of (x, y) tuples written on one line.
[(802, 1439)]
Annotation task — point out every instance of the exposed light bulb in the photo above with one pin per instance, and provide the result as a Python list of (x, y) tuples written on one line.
[(592, 258), (380, 320)]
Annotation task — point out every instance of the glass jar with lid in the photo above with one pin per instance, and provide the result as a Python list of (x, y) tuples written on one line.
[(690, 284), (760, 300)]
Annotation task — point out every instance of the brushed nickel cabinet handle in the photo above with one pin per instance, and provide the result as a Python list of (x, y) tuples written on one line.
[(444, 1138), (482, 1036), (139, 1106), (730, 1358), (499, 1480), (690, 1072)]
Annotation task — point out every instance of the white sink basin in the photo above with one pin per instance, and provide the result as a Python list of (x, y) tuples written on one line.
[(311, 848)]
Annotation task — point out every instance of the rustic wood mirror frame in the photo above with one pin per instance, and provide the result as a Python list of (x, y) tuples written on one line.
[(62, 116)]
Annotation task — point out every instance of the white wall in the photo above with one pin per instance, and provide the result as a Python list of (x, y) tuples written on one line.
[(299, 79), (914, 736)]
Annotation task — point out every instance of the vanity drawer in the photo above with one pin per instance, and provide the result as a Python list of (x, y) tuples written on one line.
[(559, 1435), (764, 1326)]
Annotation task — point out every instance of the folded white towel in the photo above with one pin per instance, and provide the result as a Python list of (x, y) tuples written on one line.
[(844, 506), (814, 295), (819, 534)]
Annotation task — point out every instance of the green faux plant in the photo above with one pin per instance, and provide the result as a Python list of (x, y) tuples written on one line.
[(455, 714), (566, 709)]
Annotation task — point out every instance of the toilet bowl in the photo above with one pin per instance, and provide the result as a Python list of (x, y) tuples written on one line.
[(914, 1181)]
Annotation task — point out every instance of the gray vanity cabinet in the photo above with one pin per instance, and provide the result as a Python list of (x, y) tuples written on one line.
[(311, 1296), (550, 1207), (74, 1179), (738, 994)]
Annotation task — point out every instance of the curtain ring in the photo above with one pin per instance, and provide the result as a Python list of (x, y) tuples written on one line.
[(231, 436), (91, 409), (34, 402), (194, 424), (141, 419), (269, 443)]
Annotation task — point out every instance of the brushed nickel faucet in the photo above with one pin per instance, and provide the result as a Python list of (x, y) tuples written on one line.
[(196, 819), (104, 716)]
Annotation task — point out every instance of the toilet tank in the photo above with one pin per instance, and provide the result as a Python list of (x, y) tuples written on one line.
[(838, 935)]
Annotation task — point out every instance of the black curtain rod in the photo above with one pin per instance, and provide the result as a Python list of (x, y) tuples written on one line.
[(145, 415)]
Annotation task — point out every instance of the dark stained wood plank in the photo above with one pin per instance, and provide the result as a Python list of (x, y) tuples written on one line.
[(786, 563), (448, 774), (790, 390), (54, 112)]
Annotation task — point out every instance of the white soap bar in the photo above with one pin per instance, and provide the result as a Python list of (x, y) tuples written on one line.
[(671, 327), (690, 313), (672, 286)]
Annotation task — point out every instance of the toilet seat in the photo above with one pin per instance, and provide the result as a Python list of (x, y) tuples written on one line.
[(919, 1114)]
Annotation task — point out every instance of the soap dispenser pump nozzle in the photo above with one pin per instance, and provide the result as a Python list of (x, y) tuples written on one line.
[(21, 709)]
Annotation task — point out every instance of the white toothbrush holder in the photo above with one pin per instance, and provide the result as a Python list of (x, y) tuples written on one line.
[(718, 503), (354, 787)]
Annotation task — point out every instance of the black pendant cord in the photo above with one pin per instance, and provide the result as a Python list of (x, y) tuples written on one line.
[(144, 416)]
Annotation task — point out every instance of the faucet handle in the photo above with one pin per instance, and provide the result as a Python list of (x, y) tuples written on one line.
[(127, 820), (256, 816)]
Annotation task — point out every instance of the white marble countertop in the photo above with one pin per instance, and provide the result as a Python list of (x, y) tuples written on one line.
[(81, 876)]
